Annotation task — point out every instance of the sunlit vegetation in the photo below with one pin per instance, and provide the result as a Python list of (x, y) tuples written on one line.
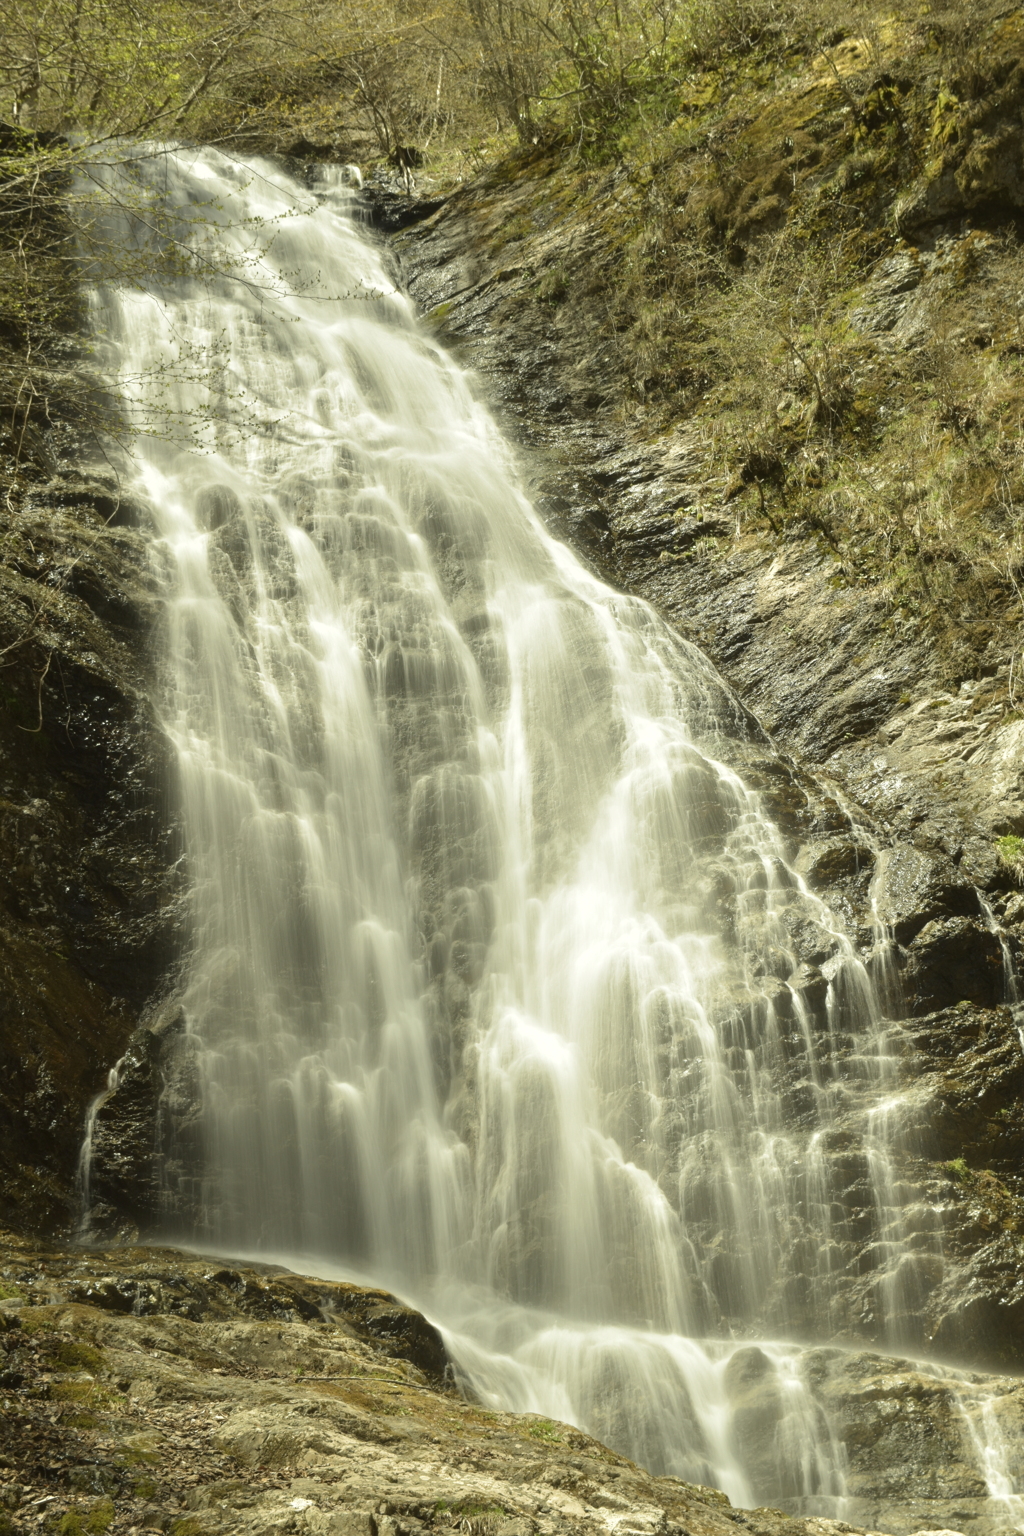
[(768, 152)]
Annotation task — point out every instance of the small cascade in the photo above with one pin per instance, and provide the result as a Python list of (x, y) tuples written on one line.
[(502, 989), (1001, 1467), (83, 1178), (1011, 984), (742, 1418)]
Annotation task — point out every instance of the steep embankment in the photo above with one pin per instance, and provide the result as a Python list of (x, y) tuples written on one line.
[(767, 358)]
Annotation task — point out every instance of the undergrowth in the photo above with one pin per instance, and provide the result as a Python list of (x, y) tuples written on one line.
[(802, 239), (803, 252)]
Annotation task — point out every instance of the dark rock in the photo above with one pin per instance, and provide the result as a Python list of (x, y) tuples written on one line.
[(825, 863), (970, 1063), (88, 895), (952, 960), (155, 1098), (406, 1334), (389, 211), (913, 887), (125, 1178)]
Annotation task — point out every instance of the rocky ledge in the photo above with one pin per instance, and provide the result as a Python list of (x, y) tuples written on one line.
[(153, 1390)]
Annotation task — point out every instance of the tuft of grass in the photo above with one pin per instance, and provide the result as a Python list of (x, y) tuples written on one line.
[(1011, 856), (545, 1429), (958, 1170), (74, 1356), (32, 1322), (87, 1522)]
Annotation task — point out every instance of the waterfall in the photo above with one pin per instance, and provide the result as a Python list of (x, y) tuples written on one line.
[(497, 989)]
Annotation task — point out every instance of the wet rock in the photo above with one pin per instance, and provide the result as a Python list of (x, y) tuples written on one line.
[(146, 1282), (126, 1177), (826, 862), (952, 960), (913, 887), (755, 1393), (389, 210), (911, 1457), (88, 892), (232, 1421), (251, 1414)]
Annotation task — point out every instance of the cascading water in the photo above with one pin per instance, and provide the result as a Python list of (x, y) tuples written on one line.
[(493, 991)]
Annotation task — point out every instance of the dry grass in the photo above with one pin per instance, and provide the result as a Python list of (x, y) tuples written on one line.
[(855, 371)]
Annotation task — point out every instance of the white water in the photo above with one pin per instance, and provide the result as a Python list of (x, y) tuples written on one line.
[(85, 1154), (492, 986)]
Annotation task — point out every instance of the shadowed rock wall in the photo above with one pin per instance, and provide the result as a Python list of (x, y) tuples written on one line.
[(88, 886)]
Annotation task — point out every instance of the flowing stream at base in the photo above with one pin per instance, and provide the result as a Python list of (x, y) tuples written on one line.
[(493, 993)]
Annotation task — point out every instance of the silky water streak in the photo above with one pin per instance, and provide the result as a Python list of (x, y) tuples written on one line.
[(493, 991)]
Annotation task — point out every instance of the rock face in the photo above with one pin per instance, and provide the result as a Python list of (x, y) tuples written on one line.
[(88, 890), (898, 856), (817, 660), (149, 1390), (925, 778)]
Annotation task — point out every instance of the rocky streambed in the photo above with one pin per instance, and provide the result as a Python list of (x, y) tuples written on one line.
[(155, 1390)]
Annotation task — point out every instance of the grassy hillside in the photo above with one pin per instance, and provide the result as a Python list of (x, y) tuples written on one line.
[(799, 239), (802, 231)]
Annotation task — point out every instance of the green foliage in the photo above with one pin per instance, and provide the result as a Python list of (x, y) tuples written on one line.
[(737, 268), (461, 1508), (1011, 856), (468, 1515), (958, 1170), (545, 1429), (32, 1322), (87, 1522), (553, 287), (74, 1356), (594, 70)]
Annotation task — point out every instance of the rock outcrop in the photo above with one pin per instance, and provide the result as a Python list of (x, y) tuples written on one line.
[(150, 1390)]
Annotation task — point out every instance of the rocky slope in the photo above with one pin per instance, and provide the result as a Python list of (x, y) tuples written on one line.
[(806, 259), (152, 1390), (147, 1390), (904, 712)]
